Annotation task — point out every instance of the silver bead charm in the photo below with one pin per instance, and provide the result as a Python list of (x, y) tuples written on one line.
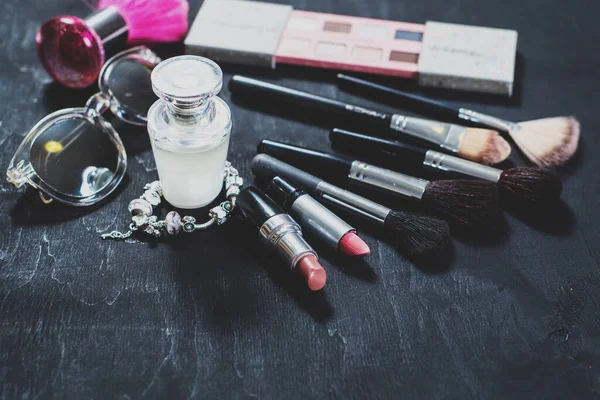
[(140, 220), (189, 223), (155, 187), (221, 212), (151, 197), (173, 220), (140, 207)]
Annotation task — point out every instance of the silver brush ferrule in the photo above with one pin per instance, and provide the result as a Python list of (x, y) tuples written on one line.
[(444, 162), (487, 120), (445, 135), (385, 179), (352, 203), (319, 221), (284, 235)]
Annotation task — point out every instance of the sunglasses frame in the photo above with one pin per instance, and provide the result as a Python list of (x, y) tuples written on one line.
[(21, 171)]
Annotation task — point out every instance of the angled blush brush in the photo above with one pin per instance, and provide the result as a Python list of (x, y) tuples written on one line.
[(482, 145), (469, 203), (529, 184), (411, 234), (547, 142)]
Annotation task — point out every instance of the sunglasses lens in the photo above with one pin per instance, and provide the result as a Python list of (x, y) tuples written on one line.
[(131, 86), (125, 80), (75, 156)]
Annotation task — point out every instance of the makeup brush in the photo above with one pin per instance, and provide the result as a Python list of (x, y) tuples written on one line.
[(413, 235), (470, 203), (530, 184), (547, 142), (73, 50), (482, 145)]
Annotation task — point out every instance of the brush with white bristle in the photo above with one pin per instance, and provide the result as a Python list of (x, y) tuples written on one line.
[(481, 145), (547, 142)]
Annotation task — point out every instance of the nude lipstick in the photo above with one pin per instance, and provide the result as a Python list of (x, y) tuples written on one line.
[(281, 234), (315, 218)]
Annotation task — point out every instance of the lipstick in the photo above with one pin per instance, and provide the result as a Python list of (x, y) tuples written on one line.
[(315, 218), (281, 234), (411, 234)]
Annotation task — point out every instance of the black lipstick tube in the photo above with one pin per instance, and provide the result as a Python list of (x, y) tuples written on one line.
[(277, 229)]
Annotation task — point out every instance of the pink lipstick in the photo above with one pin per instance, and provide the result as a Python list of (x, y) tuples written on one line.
[(316, 219), (352, 245)]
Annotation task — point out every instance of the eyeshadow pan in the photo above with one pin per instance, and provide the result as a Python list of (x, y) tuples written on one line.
[(302, 23), (367, 53), (294, 45), (340, 27), (330, 49), (408, 35), (403, 57), (374, 32)]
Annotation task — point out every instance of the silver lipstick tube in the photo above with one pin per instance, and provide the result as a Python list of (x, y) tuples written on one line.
[(387, 180), (284, 235), (319, 221), (352, 203), (447, 136), (487, 120), (444, 162)]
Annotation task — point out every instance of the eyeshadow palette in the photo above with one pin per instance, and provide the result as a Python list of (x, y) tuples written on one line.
[(351, 44), (436, 54)]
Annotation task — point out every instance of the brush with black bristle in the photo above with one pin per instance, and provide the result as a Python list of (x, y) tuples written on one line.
[(546, 142), (469, 203), (535, 186), (482, 145), (413, 235)]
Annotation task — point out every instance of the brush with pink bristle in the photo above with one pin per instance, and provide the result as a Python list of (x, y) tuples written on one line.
[(73, 50)]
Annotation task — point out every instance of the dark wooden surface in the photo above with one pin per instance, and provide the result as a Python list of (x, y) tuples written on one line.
[(515, 313)]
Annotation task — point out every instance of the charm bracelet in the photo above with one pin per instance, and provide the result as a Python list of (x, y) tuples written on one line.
[(141, 210)]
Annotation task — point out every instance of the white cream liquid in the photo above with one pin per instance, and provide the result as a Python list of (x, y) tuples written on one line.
[(191, 179)]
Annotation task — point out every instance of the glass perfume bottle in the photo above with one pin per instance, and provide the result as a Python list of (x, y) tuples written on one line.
[(189, 130)]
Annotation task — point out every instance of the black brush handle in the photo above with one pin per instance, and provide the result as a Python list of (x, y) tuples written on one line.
[(240, 83), (373, 147), (265, 166), (323, 164), (427, 105)]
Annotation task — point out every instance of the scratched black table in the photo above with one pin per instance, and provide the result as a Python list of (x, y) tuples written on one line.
[(514, 312)]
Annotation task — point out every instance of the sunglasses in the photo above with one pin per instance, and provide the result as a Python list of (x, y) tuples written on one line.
[(74, 155)]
